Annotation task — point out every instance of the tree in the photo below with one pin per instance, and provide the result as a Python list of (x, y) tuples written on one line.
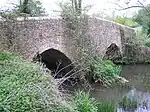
[(24, 7), (127, 4), (78, 6), (143, 19), (143, 15), (31, 7)]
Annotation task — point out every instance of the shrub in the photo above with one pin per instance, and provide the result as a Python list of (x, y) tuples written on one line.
[(26, 87), (85, 103), (104, 71)]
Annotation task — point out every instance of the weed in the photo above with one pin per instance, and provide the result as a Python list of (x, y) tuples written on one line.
[(85, 103)]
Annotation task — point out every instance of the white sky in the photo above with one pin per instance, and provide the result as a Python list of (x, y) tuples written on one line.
[(98, 5)]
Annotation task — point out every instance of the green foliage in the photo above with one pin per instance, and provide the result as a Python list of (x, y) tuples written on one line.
[(140, 36), (106, 106), (7, 56), (125, 21), (25, 87), (69, 14), (32, 7), (147, 42), (103, 70), (85, 103), (143, 19)]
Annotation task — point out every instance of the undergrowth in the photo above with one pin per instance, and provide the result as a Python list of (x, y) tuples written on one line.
[(85, 103), (104, 71), (26, 87)]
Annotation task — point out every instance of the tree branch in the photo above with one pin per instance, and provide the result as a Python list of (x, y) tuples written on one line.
[(130, 7)]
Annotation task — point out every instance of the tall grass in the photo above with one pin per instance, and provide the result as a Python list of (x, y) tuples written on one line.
[(85, 103), (26, 87)]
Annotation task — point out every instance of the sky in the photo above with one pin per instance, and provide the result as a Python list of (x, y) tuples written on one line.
[(98, 6)]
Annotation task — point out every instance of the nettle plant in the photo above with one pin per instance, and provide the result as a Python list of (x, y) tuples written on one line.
[(104, 71)]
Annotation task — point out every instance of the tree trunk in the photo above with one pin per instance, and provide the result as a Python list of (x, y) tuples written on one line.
[(25, 7)]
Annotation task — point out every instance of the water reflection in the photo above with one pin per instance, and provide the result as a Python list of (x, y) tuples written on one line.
[(135, 101), (136, 91)]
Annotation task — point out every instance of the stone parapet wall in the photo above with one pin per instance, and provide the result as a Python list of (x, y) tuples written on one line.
[(103, 33), (37, 35)]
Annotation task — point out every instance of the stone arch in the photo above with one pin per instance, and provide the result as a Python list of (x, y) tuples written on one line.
[(56, 61), (113, 52)]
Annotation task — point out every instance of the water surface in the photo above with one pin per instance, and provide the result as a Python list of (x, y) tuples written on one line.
[(138, 86)]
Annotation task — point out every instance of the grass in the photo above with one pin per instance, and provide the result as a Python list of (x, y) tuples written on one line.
[(26, 87), (87, 104)]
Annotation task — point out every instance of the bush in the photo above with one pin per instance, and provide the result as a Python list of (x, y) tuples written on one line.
[(26, 87), (85, 103), (104, 71)]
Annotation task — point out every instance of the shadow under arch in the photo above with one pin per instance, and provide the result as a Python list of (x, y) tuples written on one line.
[(57, 62), (113, 52)]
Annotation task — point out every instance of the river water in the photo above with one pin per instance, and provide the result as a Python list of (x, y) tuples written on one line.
[(138, 88)]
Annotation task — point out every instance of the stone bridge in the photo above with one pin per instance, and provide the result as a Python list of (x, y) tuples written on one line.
[(46, 35)]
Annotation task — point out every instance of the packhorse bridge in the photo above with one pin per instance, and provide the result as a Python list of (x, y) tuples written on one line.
[(46, 36)]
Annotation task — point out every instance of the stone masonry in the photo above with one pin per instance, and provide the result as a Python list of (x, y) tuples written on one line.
[(35, 35)]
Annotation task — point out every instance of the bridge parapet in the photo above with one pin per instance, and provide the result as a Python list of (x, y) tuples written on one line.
[(37, 35)]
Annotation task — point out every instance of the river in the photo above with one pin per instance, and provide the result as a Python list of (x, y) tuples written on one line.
[(138, 86), (138, 76)]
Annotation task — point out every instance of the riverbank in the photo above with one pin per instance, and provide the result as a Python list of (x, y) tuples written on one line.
[(28, 87)]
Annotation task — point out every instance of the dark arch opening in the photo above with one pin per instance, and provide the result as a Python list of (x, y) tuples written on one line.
[(57, 62), (113, 52)]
